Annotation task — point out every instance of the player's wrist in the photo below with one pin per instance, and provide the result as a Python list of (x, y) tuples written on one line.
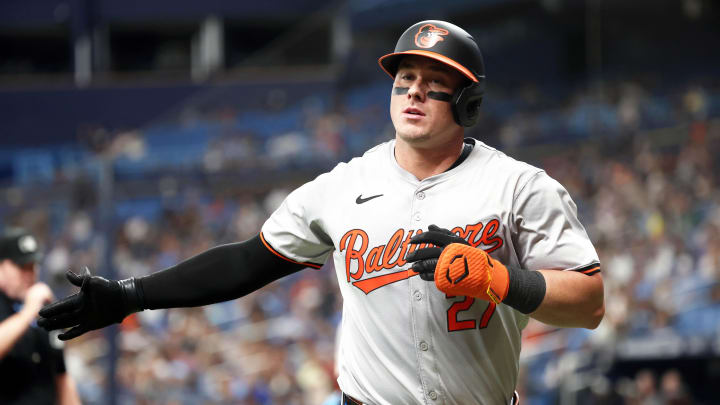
[(526, 289), (132, 295)]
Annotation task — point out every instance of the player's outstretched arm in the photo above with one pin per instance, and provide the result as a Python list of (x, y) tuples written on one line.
[(566, 299), (218, 274)]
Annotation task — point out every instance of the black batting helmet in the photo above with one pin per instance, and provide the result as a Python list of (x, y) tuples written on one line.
[(452, 45)]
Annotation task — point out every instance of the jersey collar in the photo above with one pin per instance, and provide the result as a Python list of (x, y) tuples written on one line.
[(468, 148)]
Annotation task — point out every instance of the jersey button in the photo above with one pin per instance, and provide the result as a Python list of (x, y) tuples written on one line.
[(424, 346), (420, 195), (417, 295), (433, 395), (417, 216)]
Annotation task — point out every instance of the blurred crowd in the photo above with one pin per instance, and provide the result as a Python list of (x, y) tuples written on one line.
[(640, 166)]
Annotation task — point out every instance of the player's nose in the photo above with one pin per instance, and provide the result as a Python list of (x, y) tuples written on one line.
[(417, 90)]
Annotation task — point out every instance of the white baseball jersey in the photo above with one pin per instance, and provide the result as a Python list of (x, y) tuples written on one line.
[(402, 341)]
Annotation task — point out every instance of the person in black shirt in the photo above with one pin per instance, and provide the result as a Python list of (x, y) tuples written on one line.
[(32, 368)]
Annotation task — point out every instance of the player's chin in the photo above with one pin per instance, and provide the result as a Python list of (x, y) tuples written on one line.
[(413, 136)]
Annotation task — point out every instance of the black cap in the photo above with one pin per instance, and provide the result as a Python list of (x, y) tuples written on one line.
[(19, 246)]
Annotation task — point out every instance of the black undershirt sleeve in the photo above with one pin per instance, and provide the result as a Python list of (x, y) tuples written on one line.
[(219, 274)]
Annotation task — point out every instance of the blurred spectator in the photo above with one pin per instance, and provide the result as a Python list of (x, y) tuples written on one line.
[(673, 390), (646, 392), (32, 363)]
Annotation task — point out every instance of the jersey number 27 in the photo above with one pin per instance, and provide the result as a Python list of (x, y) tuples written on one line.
[(454, 324)]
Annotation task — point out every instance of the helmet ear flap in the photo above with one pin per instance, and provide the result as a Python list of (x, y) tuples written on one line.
[(466, 104)]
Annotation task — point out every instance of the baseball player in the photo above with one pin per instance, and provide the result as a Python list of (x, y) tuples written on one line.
[(443, 247)]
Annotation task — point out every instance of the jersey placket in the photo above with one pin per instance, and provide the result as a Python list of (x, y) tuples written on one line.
[(420, 312)]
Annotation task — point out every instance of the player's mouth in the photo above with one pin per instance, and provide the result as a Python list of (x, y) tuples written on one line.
[(413, 113)]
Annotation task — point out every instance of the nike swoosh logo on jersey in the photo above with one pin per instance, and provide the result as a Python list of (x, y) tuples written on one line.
[(360, 199)]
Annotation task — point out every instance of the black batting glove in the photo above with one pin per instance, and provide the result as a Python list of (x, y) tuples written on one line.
[(99, 303), (426, 259)]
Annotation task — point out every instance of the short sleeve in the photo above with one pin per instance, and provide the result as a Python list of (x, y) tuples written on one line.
[(547, 232), (295, 230)]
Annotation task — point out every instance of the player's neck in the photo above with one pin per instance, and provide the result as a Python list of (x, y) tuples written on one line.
[(424, 162)]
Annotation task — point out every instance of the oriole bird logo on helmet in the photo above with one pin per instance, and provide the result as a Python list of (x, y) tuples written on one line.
[(428, 35)]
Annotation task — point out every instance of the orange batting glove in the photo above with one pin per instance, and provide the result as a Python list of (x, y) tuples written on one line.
[(457, 267)]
